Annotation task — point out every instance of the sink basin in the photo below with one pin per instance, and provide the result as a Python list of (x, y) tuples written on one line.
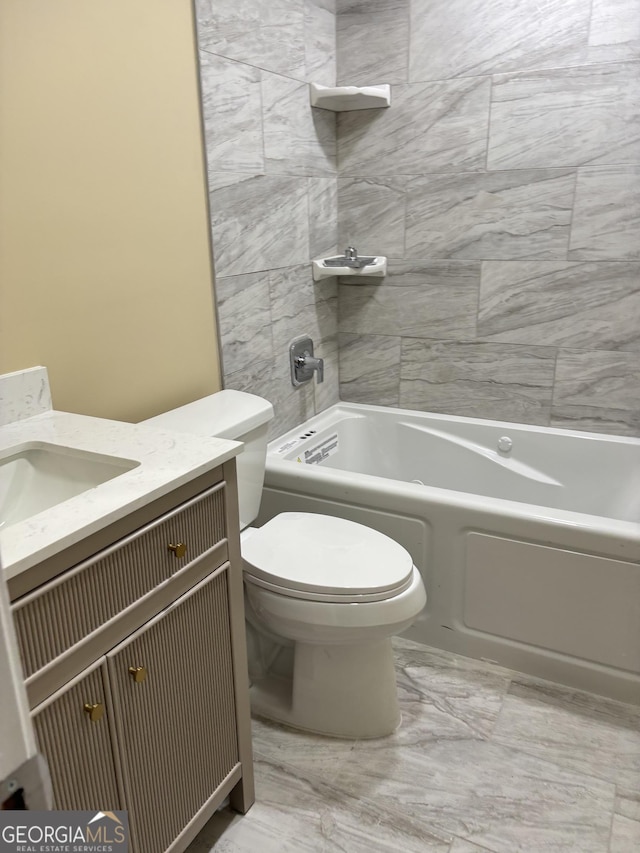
[(36, 476)]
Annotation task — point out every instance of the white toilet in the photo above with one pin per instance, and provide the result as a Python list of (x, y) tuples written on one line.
[(323, 595)]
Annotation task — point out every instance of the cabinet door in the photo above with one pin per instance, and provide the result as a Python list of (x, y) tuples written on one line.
[(73, 732), (174, 704)]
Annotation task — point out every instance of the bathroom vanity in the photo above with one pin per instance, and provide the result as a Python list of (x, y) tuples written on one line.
[(130, 627)]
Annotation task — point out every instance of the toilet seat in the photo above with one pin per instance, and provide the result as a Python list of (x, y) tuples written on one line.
[(322, 558)]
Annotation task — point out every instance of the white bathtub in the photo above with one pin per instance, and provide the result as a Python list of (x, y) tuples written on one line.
[(530, 556)]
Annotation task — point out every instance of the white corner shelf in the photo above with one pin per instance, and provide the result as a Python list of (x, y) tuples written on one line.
[(342, 98), (377, 269)]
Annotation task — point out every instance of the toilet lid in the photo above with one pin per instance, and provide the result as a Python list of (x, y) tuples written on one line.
[(322, 556)]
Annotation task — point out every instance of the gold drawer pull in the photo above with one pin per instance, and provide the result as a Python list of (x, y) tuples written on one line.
[(179, 549), (138, 673), (94, 710)]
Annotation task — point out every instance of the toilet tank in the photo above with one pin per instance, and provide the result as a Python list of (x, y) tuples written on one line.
[(234, 415)]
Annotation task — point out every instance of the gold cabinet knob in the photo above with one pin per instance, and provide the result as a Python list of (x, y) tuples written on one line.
[(179, 549), (138, 673), (94, 710)]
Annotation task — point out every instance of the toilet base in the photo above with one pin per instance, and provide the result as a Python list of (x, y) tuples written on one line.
[(339, 690)]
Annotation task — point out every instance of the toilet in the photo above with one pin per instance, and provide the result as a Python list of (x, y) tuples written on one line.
[(323, 595)]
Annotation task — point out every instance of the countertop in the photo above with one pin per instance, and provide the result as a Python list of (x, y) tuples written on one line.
[(167, 460)]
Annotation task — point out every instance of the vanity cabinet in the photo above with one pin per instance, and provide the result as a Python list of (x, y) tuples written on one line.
[(73, 730), (136, 669)]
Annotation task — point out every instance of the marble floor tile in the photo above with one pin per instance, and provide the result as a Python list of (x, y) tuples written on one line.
[(558, 116), (305, 752), (373, 41), (451, 38), (369, 369), (493, 796), (372, 215), (606, 217), (431, 127), (503, 381), (490, 215), (295, 813), (443, 697), (231, 100), (580, 732), (549, 303), (244, 315), (486, 761)]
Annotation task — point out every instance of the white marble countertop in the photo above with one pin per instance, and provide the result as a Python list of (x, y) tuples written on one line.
[(167, 460)]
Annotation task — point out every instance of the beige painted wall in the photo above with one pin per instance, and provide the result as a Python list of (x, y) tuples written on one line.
[(105, 273)]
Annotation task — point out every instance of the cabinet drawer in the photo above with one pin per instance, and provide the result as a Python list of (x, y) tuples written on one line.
[(60, 614)]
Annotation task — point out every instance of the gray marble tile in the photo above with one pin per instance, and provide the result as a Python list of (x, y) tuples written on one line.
[(594, 419), (542, 118), (434, 299), (451, 38), (294, 813), (373, 41), (628, 803), (244, 314), (495, 797), (614, 33), (491, 215), (583, 733), (484, 380), (304, 752), (606, 217), (589, 305), (328, 392), (258, 222), (320, 48), (267, 35), (600, 379), (369, 369), (461, 846), (297, 139), (300, 306), (372, 215), (430, 127), (368, 309), (271, 379), (444, 697), (323, 217), (625, 835), (231, 106)]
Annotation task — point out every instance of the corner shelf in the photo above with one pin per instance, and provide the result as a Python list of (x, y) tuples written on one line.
[(377, 269), (342, 98)]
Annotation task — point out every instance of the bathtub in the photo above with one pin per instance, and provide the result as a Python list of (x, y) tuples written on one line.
[(527, 538)]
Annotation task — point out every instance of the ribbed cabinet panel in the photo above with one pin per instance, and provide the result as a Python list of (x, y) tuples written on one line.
[(60, 614), (79, 751), (177, 728)]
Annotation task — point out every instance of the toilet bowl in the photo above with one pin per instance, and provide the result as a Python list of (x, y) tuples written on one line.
[(323, 595), (334, 592)]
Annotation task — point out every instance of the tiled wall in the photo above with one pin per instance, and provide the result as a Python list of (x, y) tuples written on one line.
[(504, 185), (273, 191)]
